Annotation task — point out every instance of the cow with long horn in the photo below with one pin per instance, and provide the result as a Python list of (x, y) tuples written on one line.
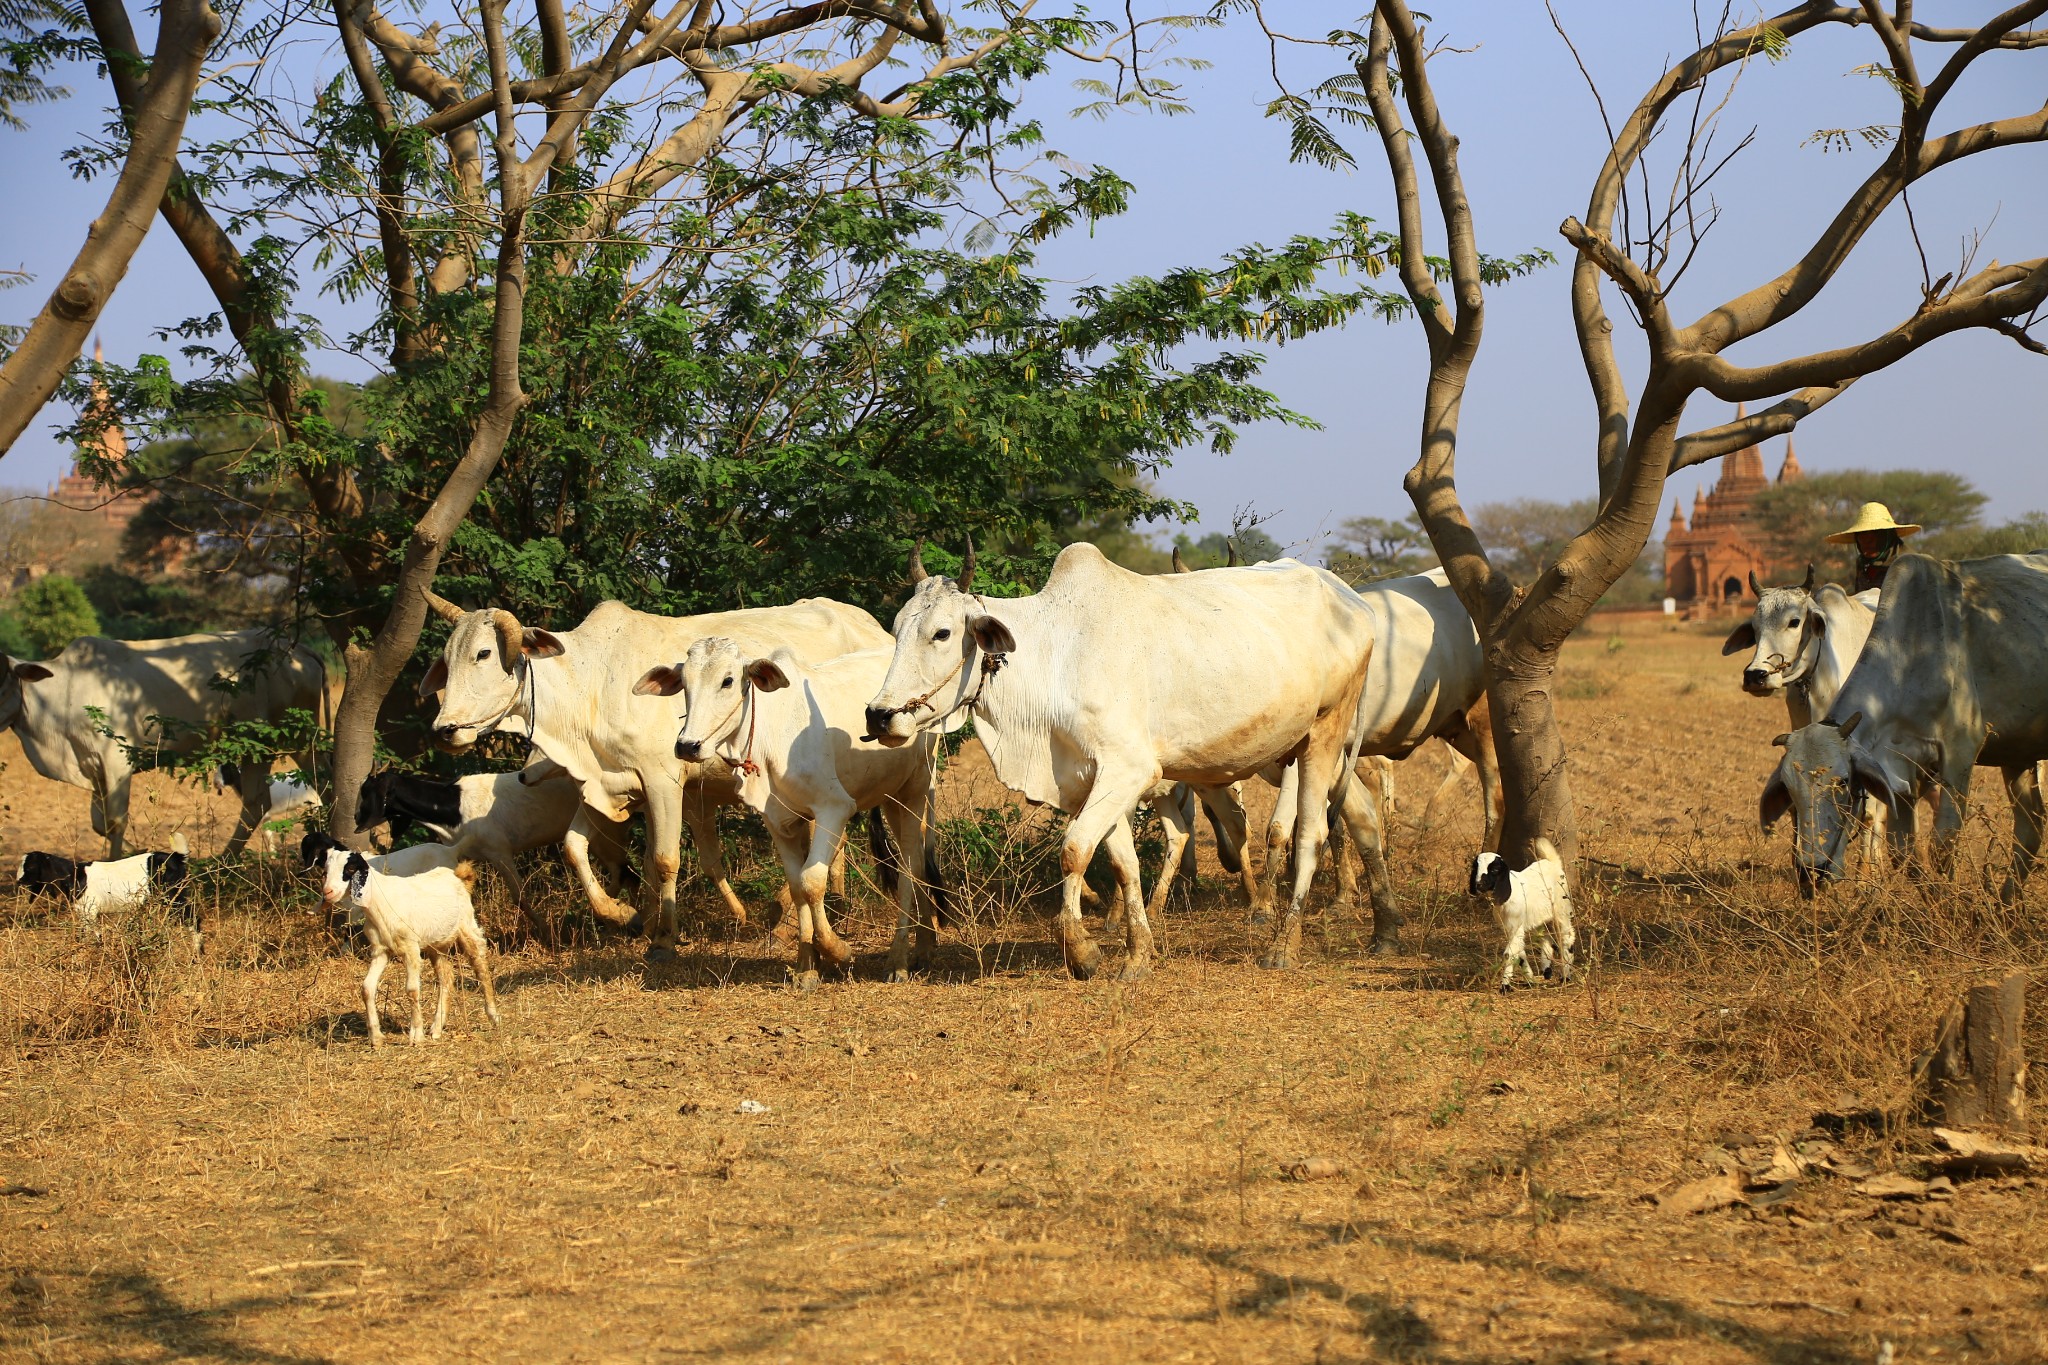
[(562, 691)]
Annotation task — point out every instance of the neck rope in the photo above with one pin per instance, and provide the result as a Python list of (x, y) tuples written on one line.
[(746, 765), (530, 684)]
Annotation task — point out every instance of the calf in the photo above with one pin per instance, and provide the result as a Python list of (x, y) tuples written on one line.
[(426, 908), (112, 886), (787, 732), (1536, 897)]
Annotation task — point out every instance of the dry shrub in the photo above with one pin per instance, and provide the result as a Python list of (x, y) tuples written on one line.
[(111, 981)]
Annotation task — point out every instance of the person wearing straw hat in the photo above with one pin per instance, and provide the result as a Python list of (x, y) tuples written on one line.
[(1878, 540)]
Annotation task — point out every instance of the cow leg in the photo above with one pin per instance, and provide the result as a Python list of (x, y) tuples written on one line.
[(828, 846), (1320, 763), (444, 970), (576, 850), (664, 862), (913, 839), (1177, 815), (2023, 785), (1112, 799), (807, 883), (1189, 866), (1951, 806), (1279, 841), (1872, 814), (1123, 860), (1368, 831), (702, 817), (1475, 741), (114, 805), (837, 884), (379, 960), (255, 789)]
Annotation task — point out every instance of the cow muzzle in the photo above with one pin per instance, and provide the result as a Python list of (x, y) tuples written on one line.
[(1757, 682), (882, 724), (690, 750), (453, 739)]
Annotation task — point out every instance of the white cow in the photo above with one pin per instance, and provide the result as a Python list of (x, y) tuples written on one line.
[(49, 705), (790, 734), (1089, 692), (570, 693), (1949, 681), (1427, 681), (1803, 642)]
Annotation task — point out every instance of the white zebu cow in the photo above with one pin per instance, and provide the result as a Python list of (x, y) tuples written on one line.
[(1949, 681), (1804, 641), (1092, 690), (790, 734), (133, 680), (570, 693), (1427, 681)]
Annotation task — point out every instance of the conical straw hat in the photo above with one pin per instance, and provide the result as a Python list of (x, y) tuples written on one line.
[(1875, 516)]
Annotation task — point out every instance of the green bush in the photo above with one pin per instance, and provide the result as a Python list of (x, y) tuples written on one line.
[(49, 614)]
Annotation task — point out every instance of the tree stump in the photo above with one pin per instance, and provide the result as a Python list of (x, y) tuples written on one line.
[(1977, 1073)]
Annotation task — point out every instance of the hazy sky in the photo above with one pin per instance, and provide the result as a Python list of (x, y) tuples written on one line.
[(1532, 139)]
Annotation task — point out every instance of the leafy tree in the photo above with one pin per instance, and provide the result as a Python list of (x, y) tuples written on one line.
[(52, 612), (1366, 549), (34, 36)]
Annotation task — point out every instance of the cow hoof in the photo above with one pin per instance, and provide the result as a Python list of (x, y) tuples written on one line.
[(806, 982), (899, 977), (835, 954), (1383, 945), (657, 953), (1083, 961), (1135, 971), (634, 927), (1279, 960)]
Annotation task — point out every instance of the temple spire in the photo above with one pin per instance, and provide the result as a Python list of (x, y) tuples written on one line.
[(1790, 472)]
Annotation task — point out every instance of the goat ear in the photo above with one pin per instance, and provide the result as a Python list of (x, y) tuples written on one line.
[(766, 675), (436, 679), (991, 634), (1777, 799), (536, 643), (1741, 638), (663, 680), (32, 672)]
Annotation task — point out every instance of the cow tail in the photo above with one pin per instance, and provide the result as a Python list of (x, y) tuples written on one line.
[(887, 869), (936, 888)]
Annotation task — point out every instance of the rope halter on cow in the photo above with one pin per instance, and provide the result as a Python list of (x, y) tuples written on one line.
[(746, 765)]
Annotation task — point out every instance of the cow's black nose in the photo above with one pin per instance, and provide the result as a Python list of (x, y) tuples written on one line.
[(1754, 677), (878, 721), (690, 749), (445, 733)]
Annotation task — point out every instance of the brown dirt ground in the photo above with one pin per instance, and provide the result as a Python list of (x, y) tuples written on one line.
[(997, 1163)]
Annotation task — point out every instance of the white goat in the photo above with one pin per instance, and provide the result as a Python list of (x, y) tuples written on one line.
[(424, 910), (1533, 898)]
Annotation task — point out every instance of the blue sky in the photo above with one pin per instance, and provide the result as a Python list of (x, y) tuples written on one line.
[(1531, 141)]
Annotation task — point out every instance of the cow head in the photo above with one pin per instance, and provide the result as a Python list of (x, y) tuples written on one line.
[(1783, 633), (1820, 780), (480, 671), (714, 681), (940, 634), (16, 674)]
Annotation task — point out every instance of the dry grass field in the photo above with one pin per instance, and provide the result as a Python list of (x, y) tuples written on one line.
[(207, 1162)]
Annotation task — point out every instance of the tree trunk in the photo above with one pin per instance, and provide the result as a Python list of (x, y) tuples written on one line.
[(1977, 1072), (156, 124), (1535, 776)]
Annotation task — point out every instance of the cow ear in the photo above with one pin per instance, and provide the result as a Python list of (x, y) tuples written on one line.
[(540, 644), (32, 672), (1777, 799), (991, 634), (1819, 622), (766, 675), (663, 680), (436, 679), (1741, 638), (1868, 778)]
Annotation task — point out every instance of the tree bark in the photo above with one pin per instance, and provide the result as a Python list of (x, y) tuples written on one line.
[(1977, 1073), (156, 123)]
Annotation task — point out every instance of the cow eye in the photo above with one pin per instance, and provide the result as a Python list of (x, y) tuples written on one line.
[(726, 683), (483, 654), (943, 633), (1792, 624)]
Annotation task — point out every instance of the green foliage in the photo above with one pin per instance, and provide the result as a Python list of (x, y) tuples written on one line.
[(35, 35), (50, 613)]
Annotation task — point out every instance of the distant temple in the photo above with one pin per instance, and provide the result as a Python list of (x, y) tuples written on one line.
[(81, 491), (1708, 563)]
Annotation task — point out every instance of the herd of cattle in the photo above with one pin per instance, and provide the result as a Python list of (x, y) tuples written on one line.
[(1104, 690)]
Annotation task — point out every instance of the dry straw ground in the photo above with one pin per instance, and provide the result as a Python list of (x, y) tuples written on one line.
[(997, 1163)]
